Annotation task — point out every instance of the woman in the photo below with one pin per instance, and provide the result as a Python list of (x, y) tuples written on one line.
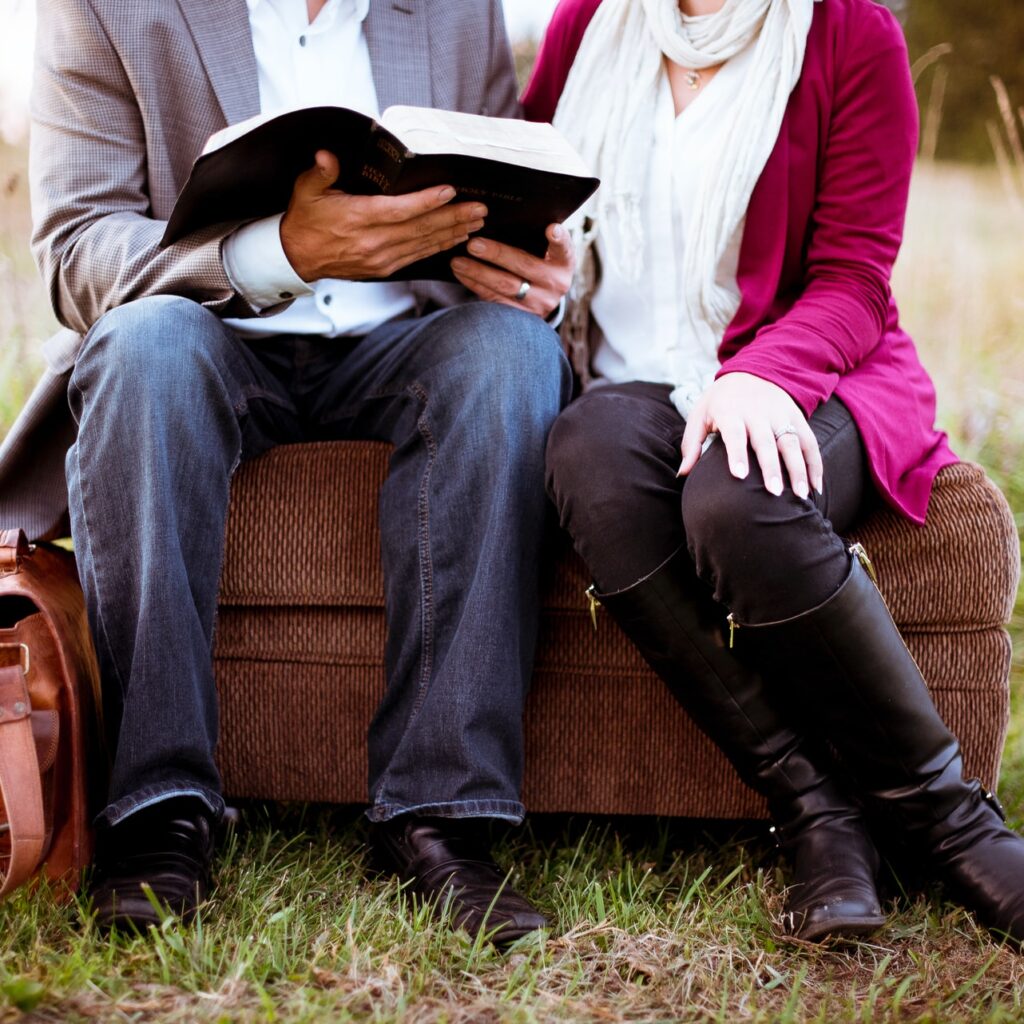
[(733, 307)]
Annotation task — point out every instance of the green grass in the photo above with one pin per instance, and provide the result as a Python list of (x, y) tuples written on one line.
[(651, 921), (655, 924)]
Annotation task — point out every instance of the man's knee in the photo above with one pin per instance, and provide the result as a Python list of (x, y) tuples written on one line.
[(161, 352), (136, 340), (510, 357)]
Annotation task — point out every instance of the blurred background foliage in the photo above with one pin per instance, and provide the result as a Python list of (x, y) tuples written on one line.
[(958, 46)]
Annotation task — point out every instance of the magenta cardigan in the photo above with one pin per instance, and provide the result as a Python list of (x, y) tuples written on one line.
[(823, 229)]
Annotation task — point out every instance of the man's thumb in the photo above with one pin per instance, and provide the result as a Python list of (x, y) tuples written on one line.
[(320, 177)]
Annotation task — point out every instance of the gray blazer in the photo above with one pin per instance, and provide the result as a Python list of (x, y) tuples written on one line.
[(125, 95)]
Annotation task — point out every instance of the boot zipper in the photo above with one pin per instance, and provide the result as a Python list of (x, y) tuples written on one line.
[(858, 551), (594, 604)]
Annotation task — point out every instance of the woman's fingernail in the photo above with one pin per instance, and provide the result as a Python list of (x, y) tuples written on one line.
[(679, 471), (801, 488), (459, 264), (819, 486), (739, 469), (477, 247), (775, 485), (447, 194)]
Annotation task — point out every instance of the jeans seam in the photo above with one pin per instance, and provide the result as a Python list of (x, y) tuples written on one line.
[(92, 561), (426, 570), (352, 409), (487, 808), (212, 801)]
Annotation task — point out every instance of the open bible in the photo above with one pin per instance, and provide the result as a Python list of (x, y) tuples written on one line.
[(526, 173)]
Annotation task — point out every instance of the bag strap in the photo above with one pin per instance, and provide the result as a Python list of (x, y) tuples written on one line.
[(20, 784), (13, 548)]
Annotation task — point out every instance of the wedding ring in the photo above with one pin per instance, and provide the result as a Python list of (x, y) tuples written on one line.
[(523, 289), (787, 428)]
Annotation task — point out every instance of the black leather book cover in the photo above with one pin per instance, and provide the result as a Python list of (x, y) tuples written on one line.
[(252, 177)]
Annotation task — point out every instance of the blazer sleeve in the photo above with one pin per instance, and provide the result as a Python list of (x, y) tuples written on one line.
[(94, 237), (857, 222), (554, 59)]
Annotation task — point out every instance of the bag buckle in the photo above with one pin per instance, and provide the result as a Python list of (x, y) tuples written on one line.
[(14, 546), (17, 704)]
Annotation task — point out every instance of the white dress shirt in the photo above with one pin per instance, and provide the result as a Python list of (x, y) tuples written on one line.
[(304, 65), (646, 330)]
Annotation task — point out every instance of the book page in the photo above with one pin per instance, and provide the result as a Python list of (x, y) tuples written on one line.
[(526, 143)]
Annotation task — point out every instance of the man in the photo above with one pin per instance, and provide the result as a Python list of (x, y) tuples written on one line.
[(241, 337)]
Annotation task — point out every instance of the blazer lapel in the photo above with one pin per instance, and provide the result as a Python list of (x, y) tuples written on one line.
[(398, 37), (220, 29)]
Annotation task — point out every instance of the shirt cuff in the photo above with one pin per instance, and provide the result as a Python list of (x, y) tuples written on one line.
[(257, 266)]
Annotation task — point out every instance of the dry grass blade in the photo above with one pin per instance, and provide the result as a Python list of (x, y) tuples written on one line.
[(927, 59), (1007, 146), (1005, 165), (1009, 122), (933, 115)]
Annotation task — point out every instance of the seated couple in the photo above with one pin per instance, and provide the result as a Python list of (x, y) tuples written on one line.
[(747, 394)]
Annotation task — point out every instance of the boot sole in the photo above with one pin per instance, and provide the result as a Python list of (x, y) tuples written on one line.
[(842, 928)]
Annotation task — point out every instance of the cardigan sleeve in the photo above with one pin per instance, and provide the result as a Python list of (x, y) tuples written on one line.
[(554, 59), (857, 222)]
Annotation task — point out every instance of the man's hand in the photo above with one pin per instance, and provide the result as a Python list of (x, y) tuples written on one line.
[(329, 233), (745, 409), (501, 277)]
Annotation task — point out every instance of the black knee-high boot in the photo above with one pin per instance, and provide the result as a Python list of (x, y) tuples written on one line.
[(855, 674), (676, 625)]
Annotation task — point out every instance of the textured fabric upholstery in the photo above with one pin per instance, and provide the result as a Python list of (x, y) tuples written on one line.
[(300, 636)]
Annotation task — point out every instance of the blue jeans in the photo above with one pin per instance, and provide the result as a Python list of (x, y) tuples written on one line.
[(169, 401)]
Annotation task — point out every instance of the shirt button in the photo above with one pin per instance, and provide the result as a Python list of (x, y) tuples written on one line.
[(327, 299), (286, 295), (302, 40)]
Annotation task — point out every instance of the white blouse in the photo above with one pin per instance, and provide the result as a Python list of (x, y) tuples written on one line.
[(646, 331), (305, 65)]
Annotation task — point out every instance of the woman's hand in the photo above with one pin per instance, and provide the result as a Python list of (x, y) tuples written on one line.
[(501, 271), (747, 410)]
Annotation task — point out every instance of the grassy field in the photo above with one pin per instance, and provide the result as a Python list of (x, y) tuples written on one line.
[(25, 317), (653, 921)]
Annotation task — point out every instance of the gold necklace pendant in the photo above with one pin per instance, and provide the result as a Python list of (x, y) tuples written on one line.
[(693, 80)]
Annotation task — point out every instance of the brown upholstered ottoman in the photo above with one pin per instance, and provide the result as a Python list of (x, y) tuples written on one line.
[(300, 638)]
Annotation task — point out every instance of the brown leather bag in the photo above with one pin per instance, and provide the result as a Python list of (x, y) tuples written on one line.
[(49, 701)]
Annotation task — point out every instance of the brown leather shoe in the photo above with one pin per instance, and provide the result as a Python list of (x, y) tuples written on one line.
[(167, 847), (445, 861)]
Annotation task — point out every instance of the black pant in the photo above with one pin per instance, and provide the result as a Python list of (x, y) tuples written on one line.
[(612, 458)]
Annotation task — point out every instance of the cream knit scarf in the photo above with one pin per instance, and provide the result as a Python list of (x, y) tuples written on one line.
[(607, 112)]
